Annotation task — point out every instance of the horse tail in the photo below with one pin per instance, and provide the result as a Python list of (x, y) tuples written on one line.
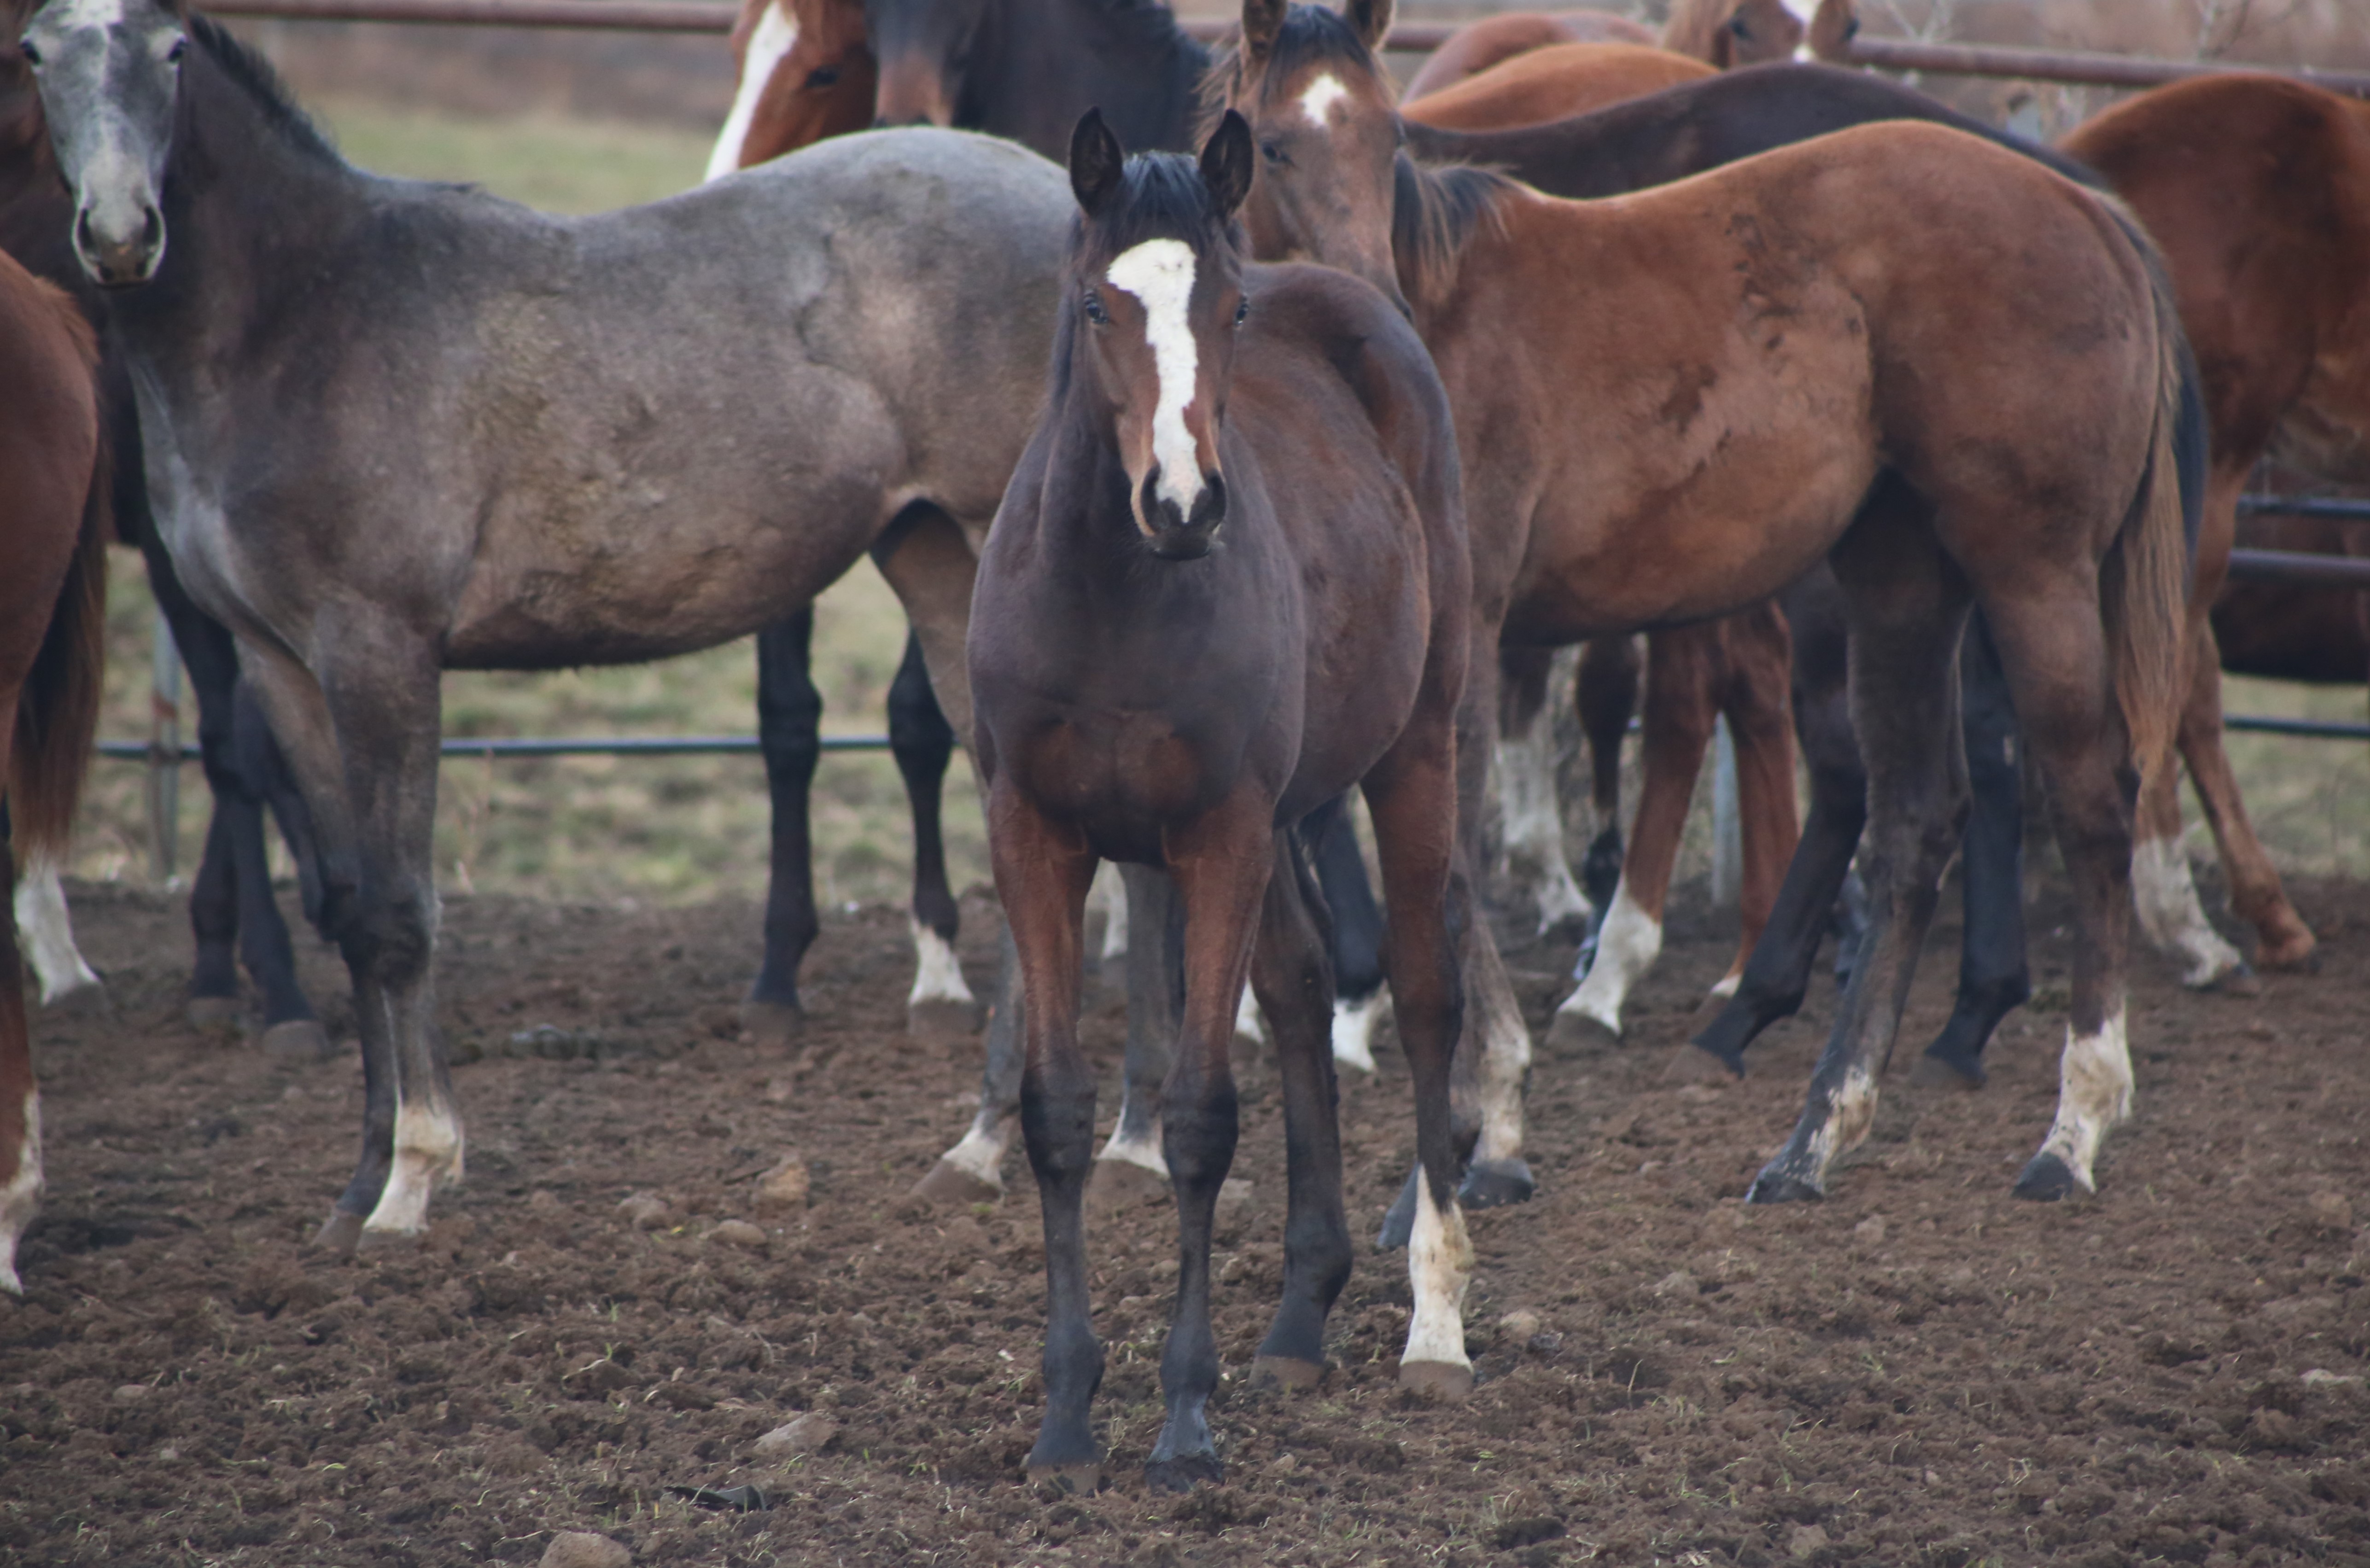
[(2143, 583), (57, 712)]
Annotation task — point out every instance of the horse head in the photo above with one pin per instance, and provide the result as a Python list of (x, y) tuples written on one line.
[(110, 75), (805, 71), (923, 47), (1155, 296), (1323, 114)]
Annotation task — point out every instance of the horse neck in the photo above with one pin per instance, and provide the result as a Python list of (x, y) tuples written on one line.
[(1604, 153), (1048, 60), (244, 205), (36, 215)]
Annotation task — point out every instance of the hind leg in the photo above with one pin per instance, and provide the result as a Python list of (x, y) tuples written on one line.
[(1993, 980), (2285, 941), (1131, 1160), (1290, 972), (20, 1100), (1906, 604), (941, 1003), (1356, 942), (1758, 651), (789, 734), (45, 931), (1527, 804), (1606, 695)]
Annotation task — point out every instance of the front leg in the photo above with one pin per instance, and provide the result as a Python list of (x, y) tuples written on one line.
[(1041, 873), (1221, 864), (789, 734)]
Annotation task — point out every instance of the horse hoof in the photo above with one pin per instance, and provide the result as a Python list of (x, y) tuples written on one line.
[(212, 1013), (1122, 1184), (1496, 1184), (1287, 1371), (772, 1025), (1446, 1381), (2297, 952), (944, 1022), (1571, 1030), (1698, 1062), (339, 1234), (297, 1040), (950, 1184), (2046, 1179), (1778, 1187), (1082, 1479), (1936, 1071), (384, 1241), (1184, 1472)]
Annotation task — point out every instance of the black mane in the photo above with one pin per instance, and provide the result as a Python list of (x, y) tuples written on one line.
[(253, 75)]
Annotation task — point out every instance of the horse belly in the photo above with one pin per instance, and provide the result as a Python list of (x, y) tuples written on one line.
[(1124, 780)]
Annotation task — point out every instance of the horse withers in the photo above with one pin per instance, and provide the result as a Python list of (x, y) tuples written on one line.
[(1227, 584), (52, 604)]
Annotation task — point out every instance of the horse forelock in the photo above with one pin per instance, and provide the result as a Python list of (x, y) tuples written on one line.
[(1161, 197), (1310, 35)]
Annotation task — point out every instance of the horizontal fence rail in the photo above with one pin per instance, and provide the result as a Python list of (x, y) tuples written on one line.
[(629, 16), (2067, 65), (566, 745), (2338, 508)]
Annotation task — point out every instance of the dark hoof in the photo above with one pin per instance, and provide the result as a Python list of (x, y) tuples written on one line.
[(2298, 954), (1442, 1380), (300, 1041), (1779, 1187), (951, 1184), (1496, 1184), (944, 1023), (1398, 1220), (1937, 1069), (1287, 1371), (772, 1025), (2047, 1179), (212, 1013), (1184, 1472), (1697, 1063), (2239, 981), (339, 1234), (1570, 1031), (1123, 1184), (1083, 1479)]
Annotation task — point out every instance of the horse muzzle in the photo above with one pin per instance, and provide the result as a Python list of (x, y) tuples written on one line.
[(1183, 535), (119, 250)]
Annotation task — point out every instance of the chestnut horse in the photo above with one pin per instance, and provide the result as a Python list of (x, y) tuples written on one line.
[(52, 606), (2273, 274), (1933, 362), (1721, 33), (1227, 584), (803, 70)]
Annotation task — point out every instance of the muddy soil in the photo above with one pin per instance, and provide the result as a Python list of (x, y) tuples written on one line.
[(1919, 1370)]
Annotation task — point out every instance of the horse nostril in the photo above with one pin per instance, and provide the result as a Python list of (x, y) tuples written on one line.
[(84, 240), (151, 227)]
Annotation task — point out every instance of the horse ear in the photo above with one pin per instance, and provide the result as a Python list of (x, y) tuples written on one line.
[(1097, 161), (1262, 20), (1226, 164), (1371, 20)]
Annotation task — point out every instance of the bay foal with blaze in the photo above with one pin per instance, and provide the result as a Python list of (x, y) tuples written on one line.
[(1226, 585)]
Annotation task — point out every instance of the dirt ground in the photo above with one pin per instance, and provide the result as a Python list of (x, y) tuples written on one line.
[(1920, 1370)]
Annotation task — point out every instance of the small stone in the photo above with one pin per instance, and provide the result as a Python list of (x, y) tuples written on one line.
[(130, 1392), (603, 1376), (1678, 1282), (543, 1200), (168, 1453), (1804, 1540), (2322, 1376), (738, 1233), (784, 1186), (800, 1434), (1520, 1325), (1284, 1464), (1870, 1232), (2329, 1210), (582, 1548), (647, 1211)]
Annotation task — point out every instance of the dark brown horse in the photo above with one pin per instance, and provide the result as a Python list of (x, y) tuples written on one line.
[(1227, 584), (52, 601), (2257, 190), (1876, 348)]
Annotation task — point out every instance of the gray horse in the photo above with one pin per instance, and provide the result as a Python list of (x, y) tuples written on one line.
[(394, 428)]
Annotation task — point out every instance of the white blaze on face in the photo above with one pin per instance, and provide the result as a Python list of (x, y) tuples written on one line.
[(1627, 946), (2094, 1092), (1318, 98), (775, 34), (1159, 274), (1804, 12)]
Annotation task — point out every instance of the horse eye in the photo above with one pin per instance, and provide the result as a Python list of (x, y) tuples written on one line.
[(181, 47), (823, 77), (1272, 152), (25, 46), (1740, 27), (1242, 312), (1093, 305)]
